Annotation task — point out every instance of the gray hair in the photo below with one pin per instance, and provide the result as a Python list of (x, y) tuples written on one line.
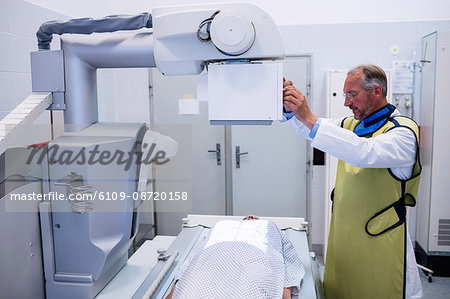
[(372, 76)]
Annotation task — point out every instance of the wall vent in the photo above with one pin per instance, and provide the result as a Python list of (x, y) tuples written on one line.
[(444, 232)]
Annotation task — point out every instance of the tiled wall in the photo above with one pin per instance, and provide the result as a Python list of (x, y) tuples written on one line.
[(339, 47), (123, 94), (19, 21)]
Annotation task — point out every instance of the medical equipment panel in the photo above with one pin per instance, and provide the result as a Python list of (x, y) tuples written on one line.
[(433, 211)]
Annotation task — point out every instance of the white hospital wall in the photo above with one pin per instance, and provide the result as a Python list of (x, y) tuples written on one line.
[(123, 95), (19, 21), (344, 34), (284, 12)]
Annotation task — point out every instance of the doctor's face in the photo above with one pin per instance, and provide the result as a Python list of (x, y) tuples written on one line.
[(359, 100)]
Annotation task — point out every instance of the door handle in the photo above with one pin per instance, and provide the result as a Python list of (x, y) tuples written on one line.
[(238, 156), (217, 151)]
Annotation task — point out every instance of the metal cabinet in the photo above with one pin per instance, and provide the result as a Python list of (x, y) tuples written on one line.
[(433, 217)]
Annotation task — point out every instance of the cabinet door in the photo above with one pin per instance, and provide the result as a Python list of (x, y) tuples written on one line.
[(433, 232), (335, 109), (272, 177), (440, 204), (426, 138), (194, 169)]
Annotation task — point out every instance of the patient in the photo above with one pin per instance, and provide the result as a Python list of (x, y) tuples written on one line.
[(241, 259)]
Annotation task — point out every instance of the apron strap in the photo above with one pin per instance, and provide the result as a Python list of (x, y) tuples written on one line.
[(387, 219)]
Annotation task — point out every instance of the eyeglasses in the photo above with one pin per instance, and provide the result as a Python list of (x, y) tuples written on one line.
[(350, 95)]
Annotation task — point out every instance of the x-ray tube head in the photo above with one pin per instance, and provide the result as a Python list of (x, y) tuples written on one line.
[(186, 38), (184, 41)]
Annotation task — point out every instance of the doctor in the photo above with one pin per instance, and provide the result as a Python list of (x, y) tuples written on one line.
[(369, 253)]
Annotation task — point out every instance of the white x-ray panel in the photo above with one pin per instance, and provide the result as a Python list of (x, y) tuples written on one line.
[(245, 92)]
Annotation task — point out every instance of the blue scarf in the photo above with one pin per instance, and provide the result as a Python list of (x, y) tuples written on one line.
[(374, 121)]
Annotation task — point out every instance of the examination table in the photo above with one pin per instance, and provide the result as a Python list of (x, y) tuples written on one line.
[(150, 271)]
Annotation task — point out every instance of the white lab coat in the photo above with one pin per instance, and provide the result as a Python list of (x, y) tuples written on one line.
[(395, 149)]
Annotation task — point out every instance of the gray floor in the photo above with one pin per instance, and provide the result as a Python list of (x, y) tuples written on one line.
[(438, 289)]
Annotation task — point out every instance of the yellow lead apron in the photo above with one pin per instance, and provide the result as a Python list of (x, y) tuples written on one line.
[(366, 255)]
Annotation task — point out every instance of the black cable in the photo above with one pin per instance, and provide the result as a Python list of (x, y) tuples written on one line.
[(206, 22), (23, 178)]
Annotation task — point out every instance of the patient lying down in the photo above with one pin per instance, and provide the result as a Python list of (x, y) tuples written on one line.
[(241, 259)]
